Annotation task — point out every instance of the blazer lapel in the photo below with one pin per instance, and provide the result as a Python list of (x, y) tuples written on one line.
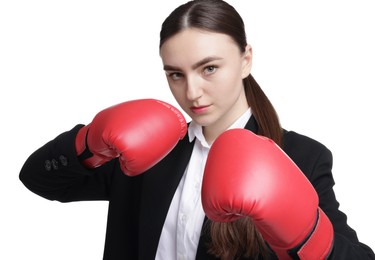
[(252, 125), (159, 185)]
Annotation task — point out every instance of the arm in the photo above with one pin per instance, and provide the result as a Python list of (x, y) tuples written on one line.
[(55, 173), (346, 243), (249, 176), (130, 137), (315, 160)]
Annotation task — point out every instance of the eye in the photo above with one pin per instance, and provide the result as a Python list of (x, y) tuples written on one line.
[(174, 75), (210, 69)]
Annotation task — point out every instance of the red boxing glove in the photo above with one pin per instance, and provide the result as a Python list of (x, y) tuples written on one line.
[(250, 176), (139, 132)]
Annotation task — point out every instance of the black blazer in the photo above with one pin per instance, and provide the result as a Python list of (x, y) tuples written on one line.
[(138, 205)]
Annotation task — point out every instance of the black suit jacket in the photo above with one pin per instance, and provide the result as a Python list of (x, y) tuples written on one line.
[(138, 205)]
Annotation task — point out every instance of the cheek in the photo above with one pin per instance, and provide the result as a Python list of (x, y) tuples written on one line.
[(175, 93), (179, 95), (230, 83)]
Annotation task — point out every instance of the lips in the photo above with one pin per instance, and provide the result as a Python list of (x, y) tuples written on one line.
[(199, 110)]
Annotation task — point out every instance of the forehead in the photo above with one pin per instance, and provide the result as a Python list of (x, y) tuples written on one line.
[(192, 45)]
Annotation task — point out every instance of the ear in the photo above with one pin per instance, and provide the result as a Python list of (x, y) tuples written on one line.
[(247, 61)]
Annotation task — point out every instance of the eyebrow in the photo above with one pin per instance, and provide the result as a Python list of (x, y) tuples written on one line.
[(195, 65)]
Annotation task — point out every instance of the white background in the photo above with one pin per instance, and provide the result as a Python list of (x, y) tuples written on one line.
[(61, 62)]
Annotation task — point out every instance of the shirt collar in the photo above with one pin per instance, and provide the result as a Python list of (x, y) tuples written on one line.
[(195, 130)]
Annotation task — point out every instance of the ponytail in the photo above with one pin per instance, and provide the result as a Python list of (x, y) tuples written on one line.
[(263, 111)]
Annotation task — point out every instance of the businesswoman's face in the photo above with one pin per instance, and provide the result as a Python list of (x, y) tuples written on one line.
[(205, 72)]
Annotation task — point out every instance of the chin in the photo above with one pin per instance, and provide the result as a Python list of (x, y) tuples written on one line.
[(201, 120)]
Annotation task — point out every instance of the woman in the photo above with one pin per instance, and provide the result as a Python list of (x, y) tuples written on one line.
[(156, 212)]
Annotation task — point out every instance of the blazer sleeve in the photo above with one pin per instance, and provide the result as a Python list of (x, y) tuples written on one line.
[(55, 173), (315, 160)]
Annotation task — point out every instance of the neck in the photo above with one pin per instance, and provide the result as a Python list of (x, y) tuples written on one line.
[(211, 132)]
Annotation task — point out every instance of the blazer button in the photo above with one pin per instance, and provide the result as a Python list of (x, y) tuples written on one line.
[(55, 164), (47, 165), (63, 160)]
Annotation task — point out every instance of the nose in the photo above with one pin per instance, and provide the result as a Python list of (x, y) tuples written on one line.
[(194, 89)]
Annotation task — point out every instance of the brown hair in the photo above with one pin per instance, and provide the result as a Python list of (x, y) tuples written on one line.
[(239, 238)]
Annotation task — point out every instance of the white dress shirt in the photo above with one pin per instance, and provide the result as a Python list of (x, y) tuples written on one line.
[(182, 228)]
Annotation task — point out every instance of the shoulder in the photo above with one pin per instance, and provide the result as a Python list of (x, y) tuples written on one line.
[(293, 141), (306, 152)]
